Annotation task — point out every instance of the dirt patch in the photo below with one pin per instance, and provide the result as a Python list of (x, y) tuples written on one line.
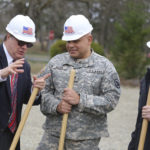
[(130, 82)]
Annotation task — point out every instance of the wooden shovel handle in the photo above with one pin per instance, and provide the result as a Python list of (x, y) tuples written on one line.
[(144, 127), (65, 116), (24, 118)]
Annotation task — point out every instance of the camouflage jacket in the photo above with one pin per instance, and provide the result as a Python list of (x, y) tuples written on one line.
[(98, 84)]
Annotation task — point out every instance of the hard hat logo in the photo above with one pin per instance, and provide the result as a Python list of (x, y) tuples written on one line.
[(69, 29), (27, 30)]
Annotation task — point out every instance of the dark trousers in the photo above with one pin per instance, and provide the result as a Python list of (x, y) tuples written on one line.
[(6, 138)]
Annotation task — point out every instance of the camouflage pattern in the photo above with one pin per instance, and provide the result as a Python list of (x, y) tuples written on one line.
[(98, 84), (50, 142)]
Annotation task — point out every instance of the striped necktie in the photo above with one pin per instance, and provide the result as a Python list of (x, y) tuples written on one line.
[(12, 123)]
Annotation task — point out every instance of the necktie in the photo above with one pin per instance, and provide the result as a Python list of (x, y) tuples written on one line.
[(12, 123)]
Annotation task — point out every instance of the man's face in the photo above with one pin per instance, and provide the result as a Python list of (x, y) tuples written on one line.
[(16, 48), (80, 48)]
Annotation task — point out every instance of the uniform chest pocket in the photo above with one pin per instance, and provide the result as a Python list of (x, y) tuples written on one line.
[(60, 77), (91, 82)]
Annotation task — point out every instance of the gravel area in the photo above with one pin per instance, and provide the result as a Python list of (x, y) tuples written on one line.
[(121, 123)]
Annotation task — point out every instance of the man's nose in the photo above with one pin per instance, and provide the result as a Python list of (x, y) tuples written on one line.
[(24, 46)]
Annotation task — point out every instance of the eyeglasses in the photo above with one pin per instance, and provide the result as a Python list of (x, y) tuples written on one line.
[(22, 43)]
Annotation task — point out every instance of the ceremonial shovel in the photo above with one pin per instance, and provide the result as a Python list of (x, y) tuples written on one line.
[(25, 116), (65, 116)]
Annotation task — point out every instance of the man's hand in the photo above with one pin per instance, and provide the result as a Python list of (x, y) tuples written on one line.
[(64, 107), (13, 68), (70, 96), (40, 82), (146, 112)]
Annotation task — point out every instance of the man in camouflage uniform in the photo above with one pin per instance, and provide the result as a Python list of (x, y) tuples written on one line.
[(96, 91)]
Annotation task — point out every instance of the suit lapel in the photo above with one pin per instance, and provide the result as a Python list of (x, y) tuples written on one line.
[(3, 64), (19, 85), (3, 59)]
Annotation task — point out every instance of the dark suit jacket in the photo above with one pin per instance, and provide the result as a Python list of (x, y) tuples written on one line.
[(23, 92), (144, 87)]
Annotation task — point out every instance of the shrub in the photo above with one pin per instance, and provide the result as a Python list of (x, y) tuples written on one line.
[(57, 48), (97, 48), (60, 47)]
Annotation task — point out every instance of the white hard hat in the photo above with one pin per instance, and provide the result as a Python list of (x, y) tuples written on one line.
[(75, 27), (22, 28), (148, 44)]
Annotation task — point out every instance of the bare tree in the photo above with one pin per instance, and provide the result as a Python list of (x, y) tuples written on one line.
[(51, 15)]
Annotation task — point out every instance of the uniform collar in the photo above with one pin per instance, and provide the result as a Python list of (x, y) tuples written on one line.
[(79, 63)]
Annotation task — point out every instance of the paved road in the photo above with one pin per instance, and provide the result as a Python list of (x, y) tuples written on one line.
[(121, 122)]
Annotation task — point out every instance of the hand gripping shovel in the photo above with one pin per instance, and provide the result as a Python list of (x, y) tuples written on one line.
[(65, 116), (144, 128)]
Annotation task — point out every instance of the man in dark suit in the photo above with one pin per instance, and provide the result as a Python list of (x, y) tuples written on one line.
[(143, 113), (15, 79)]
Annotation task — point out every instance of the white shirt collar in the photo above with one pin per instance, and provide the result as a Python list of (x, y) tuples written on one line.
[(8, 56)]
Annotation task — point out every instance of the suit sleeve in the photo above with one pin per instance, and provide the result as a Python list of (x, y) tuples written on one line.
[(28, 85), (133, 145)]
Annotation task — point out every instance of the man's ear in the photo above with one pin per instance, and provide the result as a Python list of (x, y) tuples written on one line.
[(90, 39), (8, 36)]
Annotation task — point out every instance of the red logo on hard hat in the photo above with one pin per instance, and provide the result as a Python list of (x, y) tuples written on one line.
[(27, 30), (69, 29)]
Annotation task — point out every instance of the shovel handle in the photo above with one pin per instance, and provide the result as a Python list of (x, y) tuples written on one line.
[(65, 116), (144, 127), (24, 118)]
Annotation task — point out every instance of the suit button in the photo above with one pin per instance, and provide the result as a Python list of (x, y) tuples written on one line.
[(8, 113)]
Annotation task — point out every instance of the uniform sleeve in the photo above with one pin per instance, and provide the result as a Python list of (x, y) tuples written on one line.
[(109, 94), (49, 102)]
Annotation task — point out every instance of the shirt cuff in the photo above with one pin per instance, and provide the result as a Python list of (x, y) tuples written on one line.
[(2, 79)]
